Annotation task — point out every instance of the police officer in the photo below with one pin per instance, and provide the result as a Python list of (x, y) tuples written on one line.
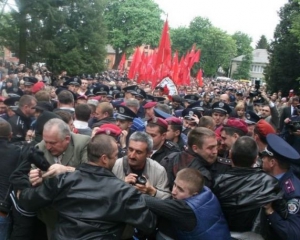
[(174, 132), (277, 158), (157, 128), (124, 120), (28, 84)]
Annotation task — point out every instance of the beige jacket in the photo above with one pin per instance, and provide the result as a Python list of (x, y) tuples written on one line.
[(153, 171)]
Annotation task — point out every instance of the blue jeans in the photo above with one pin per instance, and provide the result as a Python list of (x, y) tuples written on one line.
[(5, 227)]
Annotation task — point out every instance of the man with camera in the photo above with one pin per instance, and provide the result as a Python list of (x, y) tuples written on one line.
[(145, 174)]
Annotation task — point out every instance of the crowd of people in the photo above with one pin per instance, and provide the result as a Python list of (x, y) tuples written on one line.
[(104, 157)]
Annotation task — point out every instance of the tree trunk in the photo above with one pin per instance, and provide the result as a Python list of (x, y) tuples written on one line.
[(117, 59)]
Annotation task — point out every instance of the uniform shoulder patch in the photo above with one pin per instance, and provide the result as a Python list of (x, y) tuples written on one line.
[(289, 186), (170, 144), (224, 161), (293, 205)]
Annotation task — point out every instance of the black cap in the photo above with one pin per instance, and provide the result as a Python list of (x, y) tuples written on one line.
[(280, 149), (29, 81), (140, 93), (119, 95), (198, 105), (44, 106), (190, 98), (251, 118), (101, 89), (89, 77), (159, 99), (125, 113), (131, 89), (12, 102), (115, 88), (221, 107), (189, 112)]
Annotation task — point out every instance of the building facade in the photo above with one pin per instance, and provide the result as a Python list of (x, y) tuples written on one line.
[(259, 62)]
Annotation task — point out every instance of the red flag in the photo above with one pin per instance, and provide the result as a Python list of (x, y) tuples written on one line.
[(122, 63), (132, 65), (164, 49), (199, 78), (175, 68)]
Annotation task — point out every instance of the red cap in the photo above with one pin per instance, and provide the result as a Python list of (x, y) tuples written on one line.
[(37, 87), (2, 99), (82, 97), (237, 123), (264, 128), (109, 129), (174, 121), (150, 105), (98, 98), (159, 122)]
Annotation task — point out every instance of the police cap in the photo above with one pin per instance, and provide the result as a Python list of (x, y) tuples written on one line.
[(29, 81), (125, 113), (161, 114), (251, 118), (221, 107), (280, 149), (101, 89)]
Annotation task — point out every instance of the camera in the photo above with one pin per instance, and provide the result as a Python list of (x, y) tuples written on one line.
[(294, 126), (141, 180), (255, 92), (37, 158)]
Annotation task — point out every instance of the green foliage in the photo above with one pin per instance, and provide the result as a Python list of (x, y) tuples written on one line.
[(181, 40), (55, 31), (131, 23), (262, 43), (283, 69), (243, 43)]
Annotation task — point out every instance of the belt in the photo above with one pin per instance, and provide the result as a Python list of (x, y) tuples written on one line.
[(3, 214)]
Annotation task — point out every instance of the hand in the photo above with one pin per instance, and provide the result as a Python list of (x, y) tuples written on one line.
[(268, 208), (287, 120), (146, 189), (29, 135), (264, 95), (123, 137), (131, 178), (297, 133), (195, 119), (94, 131), (35, 177), (56, 169)]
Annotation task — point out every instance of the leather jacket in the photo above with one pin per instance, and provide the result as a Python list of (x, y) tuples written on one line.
[(242, 192), (20, 125), (92, 203)]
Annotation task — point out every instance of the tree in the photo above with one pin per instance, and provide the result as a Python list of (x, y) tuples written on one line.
[(55, 31), (243, 43), (262, 43), (218, 48), (283, 68), (132, 23), (182, 40)]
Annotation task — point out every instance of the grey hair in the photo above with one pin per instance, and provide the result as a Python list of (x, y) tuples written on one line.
[(143, 137), (62, 127), (132, 103)]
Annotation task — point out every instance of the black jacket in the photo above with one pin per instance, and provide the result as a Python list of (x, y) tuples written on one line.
[(174, 162), (92, 203), (167, 148), (10, 155), (242, 192), (20, 125)]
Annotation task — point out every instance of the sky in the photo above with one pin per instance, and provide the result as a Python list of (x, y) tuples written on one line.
[(253, 17)]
